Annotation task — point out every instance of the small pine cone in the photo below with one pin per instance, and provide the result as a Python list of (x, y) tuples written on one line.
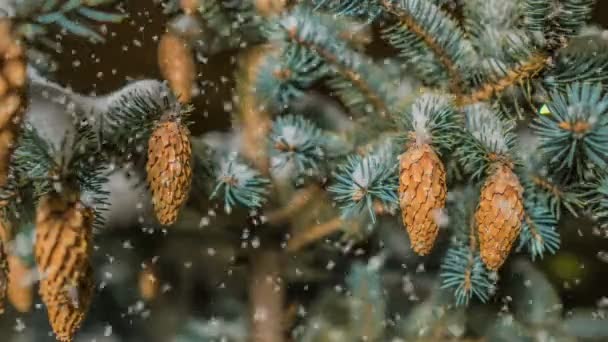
[(12, 93), (63, 250), (499, 216), (3, 275), (422, 195), (169, 170), (20, 291), (148, 283), (176, 63)]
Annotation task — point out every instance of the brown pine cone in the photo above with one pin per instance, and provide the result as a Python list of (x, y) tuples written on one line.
[(12, 93), (20, 292), (63, 250), (176, 63), (422, 195), (499, 215), (169, 170)]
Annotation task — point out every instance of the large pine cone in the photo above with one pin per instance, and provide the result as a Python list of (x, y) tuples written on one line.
[(422, 195), (12, 93), (169, 169), (499, 215), (176, 63), (63, 250)]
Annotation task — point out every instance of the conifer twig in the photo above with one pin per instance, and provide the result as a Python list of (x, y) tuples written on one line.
[(266, 292), (314, 233), (298, 201), (356, 79), (524, 71), (449, 65)]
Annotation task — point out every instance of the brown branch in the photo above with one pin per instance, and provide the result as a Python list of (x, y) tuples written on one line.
[(407, 20), (522, 72), (352, 76), (314, 233), (255, 119), (266, 292), (298, 201), (533, 230), (547, 186)]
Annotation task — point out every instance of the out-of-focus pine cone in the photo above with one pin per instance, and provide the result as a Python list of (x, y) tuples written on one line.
[(169, 168), (63, 250), (148, 283), (20, 290), (176, 63), (499, 215), (12, 93), (422, 195)]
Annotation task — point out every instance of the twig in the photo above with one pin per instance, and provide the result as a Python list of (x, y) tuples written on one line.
[(407, 20), (266, 295), (314, 233)]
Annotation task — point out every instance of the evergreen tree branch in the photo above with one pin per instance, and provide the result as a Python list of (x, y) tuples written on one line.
[(522, 72), (440, 51)]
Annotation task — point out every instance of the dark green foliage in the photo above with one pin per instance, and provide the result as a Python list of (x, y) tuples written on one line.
[(357, 81)]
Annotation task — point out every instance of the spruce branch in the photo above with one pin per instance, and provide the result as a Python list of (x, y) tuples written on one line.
[(364, 181), (432, 119), (423, 25), (538, 235), (75, 16), (285, 76), (518, 75), (303, 28), (487, 138), (297, 146), (239, 184), (575, 134)]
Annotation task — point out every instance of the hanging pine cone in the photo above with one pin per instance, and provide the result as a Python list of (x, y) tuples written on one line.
[(20, 292), (422, 194), (168, 167), (269, 7), (63, 249), (12, 93), (499, 215), (176, 63), (148, 283)]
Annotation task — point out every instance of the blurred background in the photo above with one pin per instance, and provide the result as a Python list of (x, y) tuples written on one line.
[(198, 281)]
